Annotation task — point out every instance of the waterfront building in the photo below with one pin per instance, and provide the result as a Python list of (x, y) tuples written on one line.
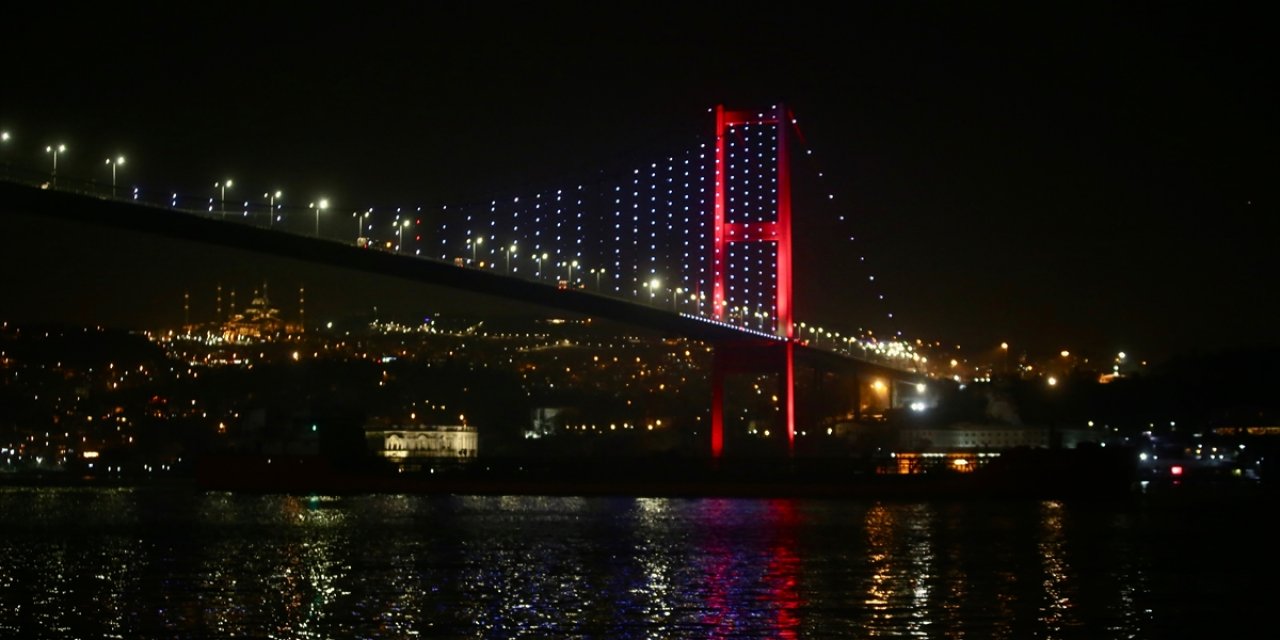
[(413, 445), (966, 446), (991, 437)]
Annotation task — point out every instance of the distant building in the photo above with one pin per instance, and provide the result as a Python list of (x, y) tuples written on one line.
[(990, 438), (966, 447), (413, 445), (258, 321), (545, 422)]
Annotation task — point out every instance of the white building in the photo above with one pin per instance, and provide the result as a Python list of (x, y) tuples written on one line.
[(422, 443)]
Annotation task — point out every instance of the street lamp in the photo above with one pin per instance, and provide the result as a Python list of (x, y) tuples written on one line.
[(475, 244), (571, 266), (675, 298), (653, 289), (323, 204), (540, 258), (114, 163), (510, 250), (55, 151), (400, 234), (360, 223), (272, 209), (4, 138), (598, 272), (222, 197)]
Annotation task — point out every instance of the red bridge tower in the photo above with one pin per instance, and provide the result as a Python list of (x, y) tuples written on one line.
[(749, 224)]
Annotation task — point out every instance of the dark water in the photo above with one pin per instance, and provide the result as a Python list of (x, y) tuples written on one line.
[(178, 563)]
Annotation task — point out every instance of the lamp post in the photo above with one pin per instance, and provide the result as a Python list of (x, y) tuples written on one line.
[(119, 160), (510, 250), (360, 223), (271, 219), (675, 298), (598, 272), (400, 227), (475, 245), (4, 139), (572, 264), (540, 258), (323, 204), (222, 195), (55, 151), (653, 289)]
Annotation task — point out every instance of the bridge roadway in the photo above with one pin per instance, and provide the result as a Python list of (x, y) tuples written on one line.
[(128, 215)]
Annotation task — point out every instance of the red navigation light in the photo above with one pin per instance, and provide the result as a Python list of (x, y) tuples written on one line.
[(1176, 470)]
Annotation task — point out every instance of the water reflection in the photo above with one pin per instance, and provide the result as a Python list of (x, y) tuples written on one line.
[(901, 567), (78, 563), (782, 575), (746, 555), (1056, 612)]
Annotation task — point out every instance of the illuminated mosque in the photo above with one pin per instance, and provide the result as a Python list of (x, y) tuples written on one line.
[(257, 321)]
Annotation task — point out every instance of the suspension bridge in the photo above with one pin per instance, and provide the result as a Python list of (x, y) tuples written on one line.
[(697, 244)]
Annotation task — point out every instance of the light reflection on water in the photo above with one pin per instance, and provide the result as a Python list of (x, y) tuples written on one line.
[(148, 562)]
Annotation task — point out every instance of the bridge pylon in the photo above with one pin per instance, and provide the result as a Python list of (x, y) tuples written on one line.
[(759, 356), (739, 218)]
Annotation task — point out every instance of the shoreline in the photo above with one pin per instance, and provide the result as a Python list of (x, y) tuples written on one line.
[(884, 488), (1033, 475)]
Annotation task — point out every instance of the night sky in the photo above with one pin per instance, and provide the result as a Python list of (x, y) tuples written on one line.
[(1090, 177)]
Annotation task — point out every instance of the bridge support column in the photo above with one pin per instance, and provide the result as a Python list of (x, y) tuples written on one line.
[(754, 357), (857, 399)]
